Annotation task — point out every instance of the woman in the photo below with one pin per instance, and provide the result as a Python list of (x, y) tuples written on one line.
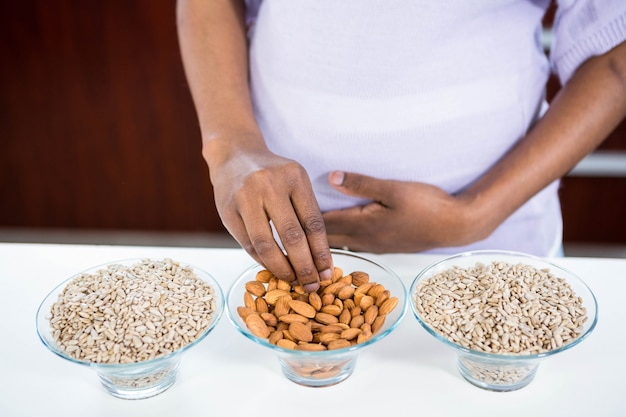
[(396, 127)]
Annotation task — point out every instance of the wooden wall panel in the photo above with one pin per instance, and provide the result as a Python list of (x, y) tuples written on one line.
[(594, 209), (97, 124)]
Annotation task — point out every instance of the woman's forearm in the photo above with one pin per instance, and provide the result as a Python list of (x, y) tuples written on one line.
[(213, 43), (586, 110)]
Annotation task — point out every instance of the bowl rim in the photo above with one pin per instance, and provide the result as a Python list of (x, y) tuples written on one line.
[(402, 304), (425, 272), (48, 300)]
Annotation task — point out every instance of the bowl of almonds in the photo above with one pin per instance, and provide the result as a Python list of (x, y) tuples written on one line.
[(502, 313), (131, 321), (317, 336)]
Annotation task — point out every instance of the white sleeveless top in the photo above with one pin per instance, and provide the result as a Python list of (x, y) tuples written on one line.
[(410, 90)]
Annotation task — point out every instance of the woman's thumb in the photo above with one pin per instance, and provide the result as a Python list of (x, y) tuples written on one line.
[(356, 185)]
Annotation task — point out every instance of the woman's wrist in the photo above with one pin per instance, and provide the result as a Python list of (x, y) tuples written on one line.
[(223, 145), (477, 217)]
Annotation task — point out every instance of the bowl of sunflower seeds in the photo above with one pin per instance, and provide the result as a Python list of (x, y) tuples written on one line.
[(502, 313), (131, 321)]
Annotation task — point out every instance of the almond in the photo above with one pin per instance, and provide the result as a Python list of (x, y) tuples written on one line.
[(245, 312), (261, 305), (304, 370), (316, 326), (255, 288), (302, 308), (350, 333), (269, 319), (325, 283), (364, 288), (349, 304), (331, 309), (376, 290), (292, 318), (315, 301), (273, 295), (283, 285), (366, 302), (326, 318), (357, 298), (346, 280), (275, 336), (371, 314), (300, 332), (282, 306), (337, 273), (298, 289), (332, 328), (257, 326), (359, 278), (345, 317), (378, 323), (382, 298), (339, 344), (364, 337), (357, 321), (264, 276), (286, 344), (287, 335), (334, 288), (310, 346), (388, 306), (327, 299), (326, 338), (272, 283), (248, 300), (345, 292), (325, 374), (300, 297)]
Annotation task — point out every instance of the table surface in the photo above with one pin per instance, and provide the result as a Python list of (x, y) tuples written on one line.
[(407, 373)]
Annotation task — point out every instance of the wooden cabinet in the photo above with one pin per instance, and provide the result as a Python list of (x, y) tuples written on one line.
[(98, 130)]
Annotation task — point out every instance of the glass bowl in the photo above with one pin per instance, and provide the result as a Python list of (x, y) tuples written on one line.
[(139, 379), (326, 367), (505, 370)]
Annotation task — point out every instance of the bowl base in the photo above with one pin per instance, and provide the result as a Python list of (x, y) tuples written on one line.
[(140, 385), (138, 394), (497, 377), (317, 383), (318, 375), (495, 387)]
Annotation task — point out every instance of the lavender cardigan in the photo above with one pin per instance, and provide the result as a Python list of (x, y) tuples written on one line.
[(424, 91)]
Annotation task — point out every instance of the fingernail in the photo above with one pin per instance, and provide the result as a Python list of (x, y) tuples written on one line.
[(312, 287), (337, 177), (326, 275)]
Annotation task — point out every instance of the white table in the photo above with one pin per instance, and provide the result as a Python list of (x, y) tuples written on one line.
[(408, 373)]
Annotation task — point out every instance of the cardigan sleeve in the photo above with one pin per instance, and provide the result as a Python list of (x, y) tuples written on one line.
[(583, 29), (252, 10)]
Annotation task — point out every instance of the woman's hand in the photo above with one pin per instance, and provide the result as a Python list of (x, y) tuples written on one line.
[(408, 217), (403, 217), (251, 185), (254, 188)]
